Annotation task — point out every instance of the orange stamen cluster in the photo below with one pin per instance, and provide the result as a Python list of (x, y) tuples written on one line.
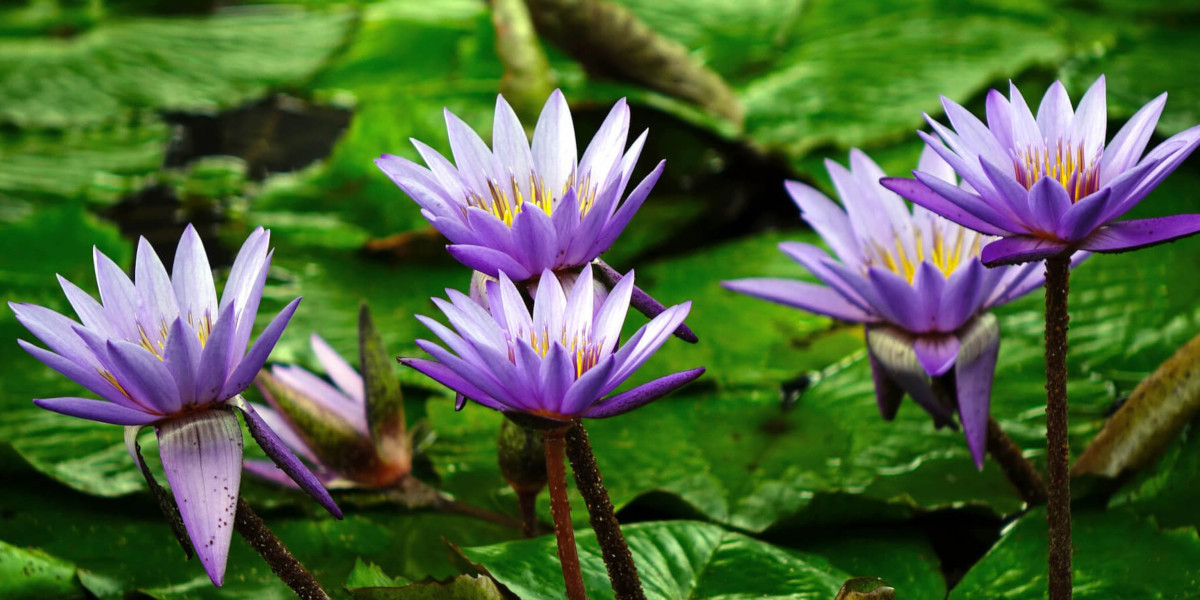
[(1065, 163), (507, 200)]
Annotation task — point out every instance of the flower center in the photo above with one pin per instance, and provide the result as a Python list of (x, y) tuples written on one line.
[(947, 254), (1079, 174), (583, 352), (505, 201)]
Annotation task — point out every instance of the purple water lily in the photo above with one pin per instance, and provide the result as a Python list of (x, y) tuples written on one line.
[(326, 424), (162, 351), (1049, 185), (522, 209), (915, 280), (558, 363)]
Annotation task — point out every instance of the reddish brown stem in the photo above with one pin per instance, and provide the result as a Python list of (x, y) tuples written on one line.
[(1058, 452), (560, 508), (1017, 469), (282, 563), (527, 501), (617, 557)]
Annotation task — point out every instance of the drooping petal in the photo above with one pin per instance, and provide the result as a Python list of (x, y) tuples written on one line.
[(642, 394), (888, 393), (96, 410), (802, 295), (1020, 249), (252, 363), (202, 455), (278, 452), (1123, 236), (974, 370), (893, 350), (936, 352)]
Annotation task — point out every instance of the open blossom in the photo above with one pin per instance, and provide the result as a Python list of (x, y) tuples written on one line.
[(326, 424), (559, 363), (522, 207), (1048, 185), (162, 351), (915, 280)]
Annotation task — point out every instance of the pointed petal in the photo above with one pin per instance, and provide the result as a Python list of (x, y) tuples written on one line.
[(1123, 236), (279, 453), (624, 214), (554, 150), (1020, 249), (974, 370), (828, 219), (611, 317), (191, 276), (893, 351), (1091, 120), (1055, 114), (252, 363), (999, 116), (181, 356), (202, 456), (340, 371), (607, 147), (154, 286), (86, 376), (488, 261), (96, 410), (510, 145), (1125, 149), (588, 389), (471, 155), (144, 376), (89, 311), (449, 378), (799, 294), (642, 394), (117, 294), (214, 359)]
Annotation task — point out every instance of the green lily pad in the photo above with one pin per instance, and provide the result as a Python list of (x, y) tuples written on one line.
[(1168, 489), (678, 560), (195, 64), (368, 582), (35, 575), (1116, 555)]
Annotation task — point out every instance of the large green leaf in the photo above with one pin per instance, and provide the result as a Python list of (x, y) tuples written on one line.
[(34, 575), (199, 64), (676, 560), (1116, 556), (1168, 490)]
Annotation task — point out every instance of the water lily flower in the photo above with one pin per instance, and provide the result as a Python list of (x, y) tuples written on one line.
[(161, 351), (327, 424), (1048, 185), (916, 281), (559, 363), (523, 207)]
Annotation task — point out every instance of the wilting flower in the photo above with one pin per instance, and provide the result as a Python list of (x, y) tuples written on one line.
[(522, 209), (1049, 185), (163, 352), (327, 424), (915, 280), (558, 363)]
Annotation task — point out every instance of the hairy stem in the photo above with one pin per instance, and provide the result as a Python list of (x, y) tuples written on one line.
[(1017, 469), (282, 563), (560, 508), (1058, 510), (617, 557)]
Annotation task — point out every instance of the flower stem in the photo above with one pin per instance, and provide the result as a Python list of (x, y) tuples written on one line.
[(1058, 510), (560, 507), (527, 501), (282, 563), (617, 557), (1017, 469)]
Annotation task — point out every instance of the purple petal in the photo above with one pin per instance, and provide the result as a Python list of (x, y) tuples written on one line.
[(642, 394), (556, 373), (650, 337), (338, 369), (611, 317), (614, 226), (936, 352), (89, 311), (888, 393), (448, 178), (999, 116), (488, 261), (252, 363), (282, 428), (1172, 152), (1014, 198), (802, 295), (1127, 146), (214, 359), (607, 146), (278, 452), (96, 410), (1088, 126), (828, 219), (973, 132), (929, 284), (181, 356), (191, 276), (449, 378), (962, 297), (589, 388), (1055, 113), (535, 239), (202, 456), (549, 303), (554, 150), (153, 285), (117, 294), (471, 155), (994, 222), (893, 351), (1084, 216), (265, 469), (846, 280), (244, 289), (144, 376), (1123, 236), (86, 376), (1048, 202), (422, 185), (1020, 249), (898, 297), (320, 392), (56, 331), (1026, 132), (976, 366), (510, 145)]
